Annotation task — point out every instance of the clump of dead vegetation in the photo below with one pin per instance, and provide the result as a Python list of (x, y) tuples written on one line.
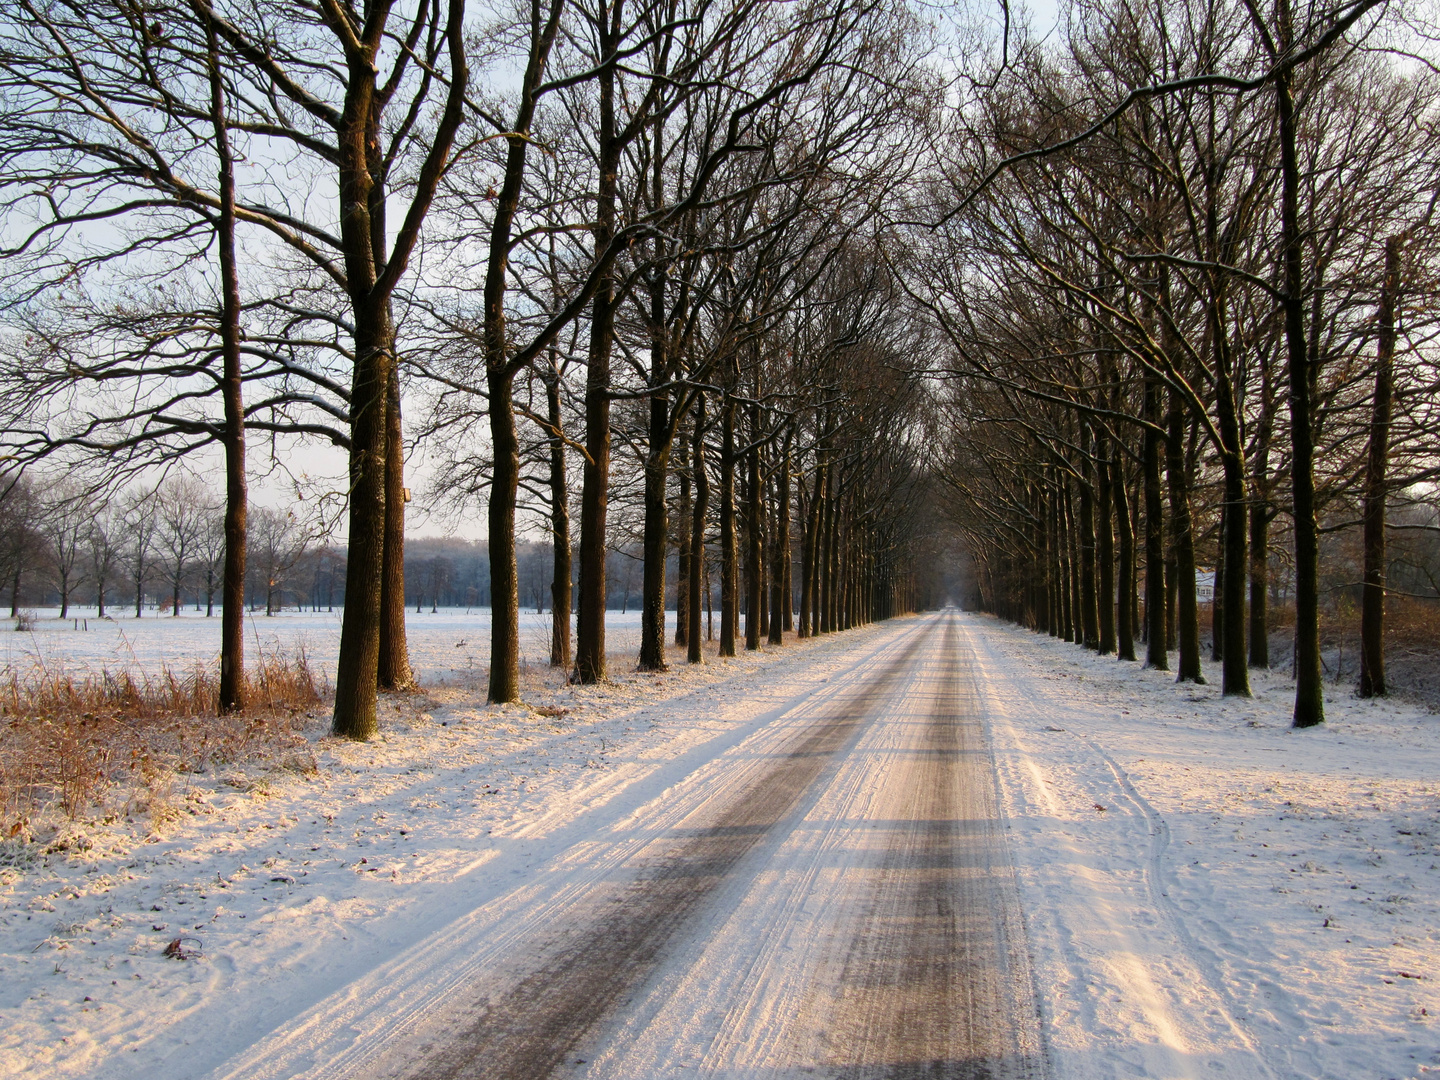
[(119, 743)]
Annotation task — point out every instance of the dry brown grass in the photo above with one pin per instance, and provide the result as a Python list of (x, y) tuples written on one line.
[(116, 743), (1413, 624)]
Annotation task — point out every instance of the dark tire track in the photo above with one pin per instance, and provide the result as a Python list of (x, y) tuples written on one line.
[(584, 971), (938, 960)]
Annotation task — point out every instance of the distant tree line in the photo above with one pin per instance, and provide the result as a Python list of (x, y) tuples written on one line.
[(161, 550), (156, 549)]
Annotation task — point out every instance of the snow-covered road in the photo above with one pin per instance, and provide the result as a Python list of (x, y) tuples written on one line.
[(828, 896), (808, 861)]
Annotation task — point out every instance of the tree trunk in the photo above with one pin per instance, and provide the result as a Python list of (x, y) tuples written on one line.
[(371, 278), (699, 574), (1217, 600), (830, 621), (1124, 623), (1077, 599), (754, 543), (683, 513), (1309, 688), (1372, 601), (779, 575), (1260, 544), (657, 526), (1155, 618), (356, 668), (504, 683), (559, 529), (232, 597), (1105, 545), (595, 491), (1182, 545), (394, 667), (1088, 600), (728, 555), (809, 560)]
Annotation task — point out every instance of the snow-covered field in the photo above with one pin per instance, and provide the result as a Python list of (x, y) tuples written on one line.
[(1207, 893), (450, 646)]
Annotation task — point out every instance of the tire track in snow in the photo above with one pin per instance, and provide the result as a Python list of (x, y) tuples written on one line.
[(615, 937), (880, 939), (955, 975)]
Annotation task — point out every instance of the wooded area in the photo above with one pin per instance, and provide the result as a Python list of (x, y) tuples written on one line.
[(800, 290)]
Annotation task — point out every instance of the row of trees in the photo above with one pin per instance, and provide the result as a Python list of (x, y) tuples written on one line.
[(216, 225), (1204, 329), (711, 258), (64, 545)]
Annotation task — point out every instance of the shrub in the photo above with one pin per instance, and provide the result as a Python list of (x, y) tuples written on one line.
[(115, 742)]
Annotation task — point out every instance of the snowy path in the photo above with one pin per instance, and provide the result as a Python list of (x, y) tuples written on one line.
[(828, 897), (807, 861)]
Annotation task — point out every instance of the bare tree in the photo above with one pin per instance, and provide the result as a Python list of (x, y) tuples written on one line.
[(141, 517), (183, 506), (65, 519)]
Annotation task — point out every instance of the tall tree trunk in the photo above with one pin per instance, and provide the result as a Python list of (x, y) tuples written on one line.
[(394, 671), (1064, 609), (1235, 678), (1155, 617), (232, 596), (754, 543), (1053, 616), (595, 491), (699, 574), (809, 562), (779, 574), (1230, 568), (827, 556), (657, 470), (500, 372), (504, 684), (682, 558), (1217, 598), (1372, 601), (1309, 687), (371, 277), (1124, 622), (1105, 544), (1260, 543), (1182, 545), (559, 527), (1089, 621), (729, 570), (357, 667), (1077, 601)]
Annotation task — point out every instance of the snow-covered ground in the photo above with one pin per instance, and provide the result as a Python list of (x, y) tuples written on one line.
[(449, 646), (290, 884), (1206, 892)]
